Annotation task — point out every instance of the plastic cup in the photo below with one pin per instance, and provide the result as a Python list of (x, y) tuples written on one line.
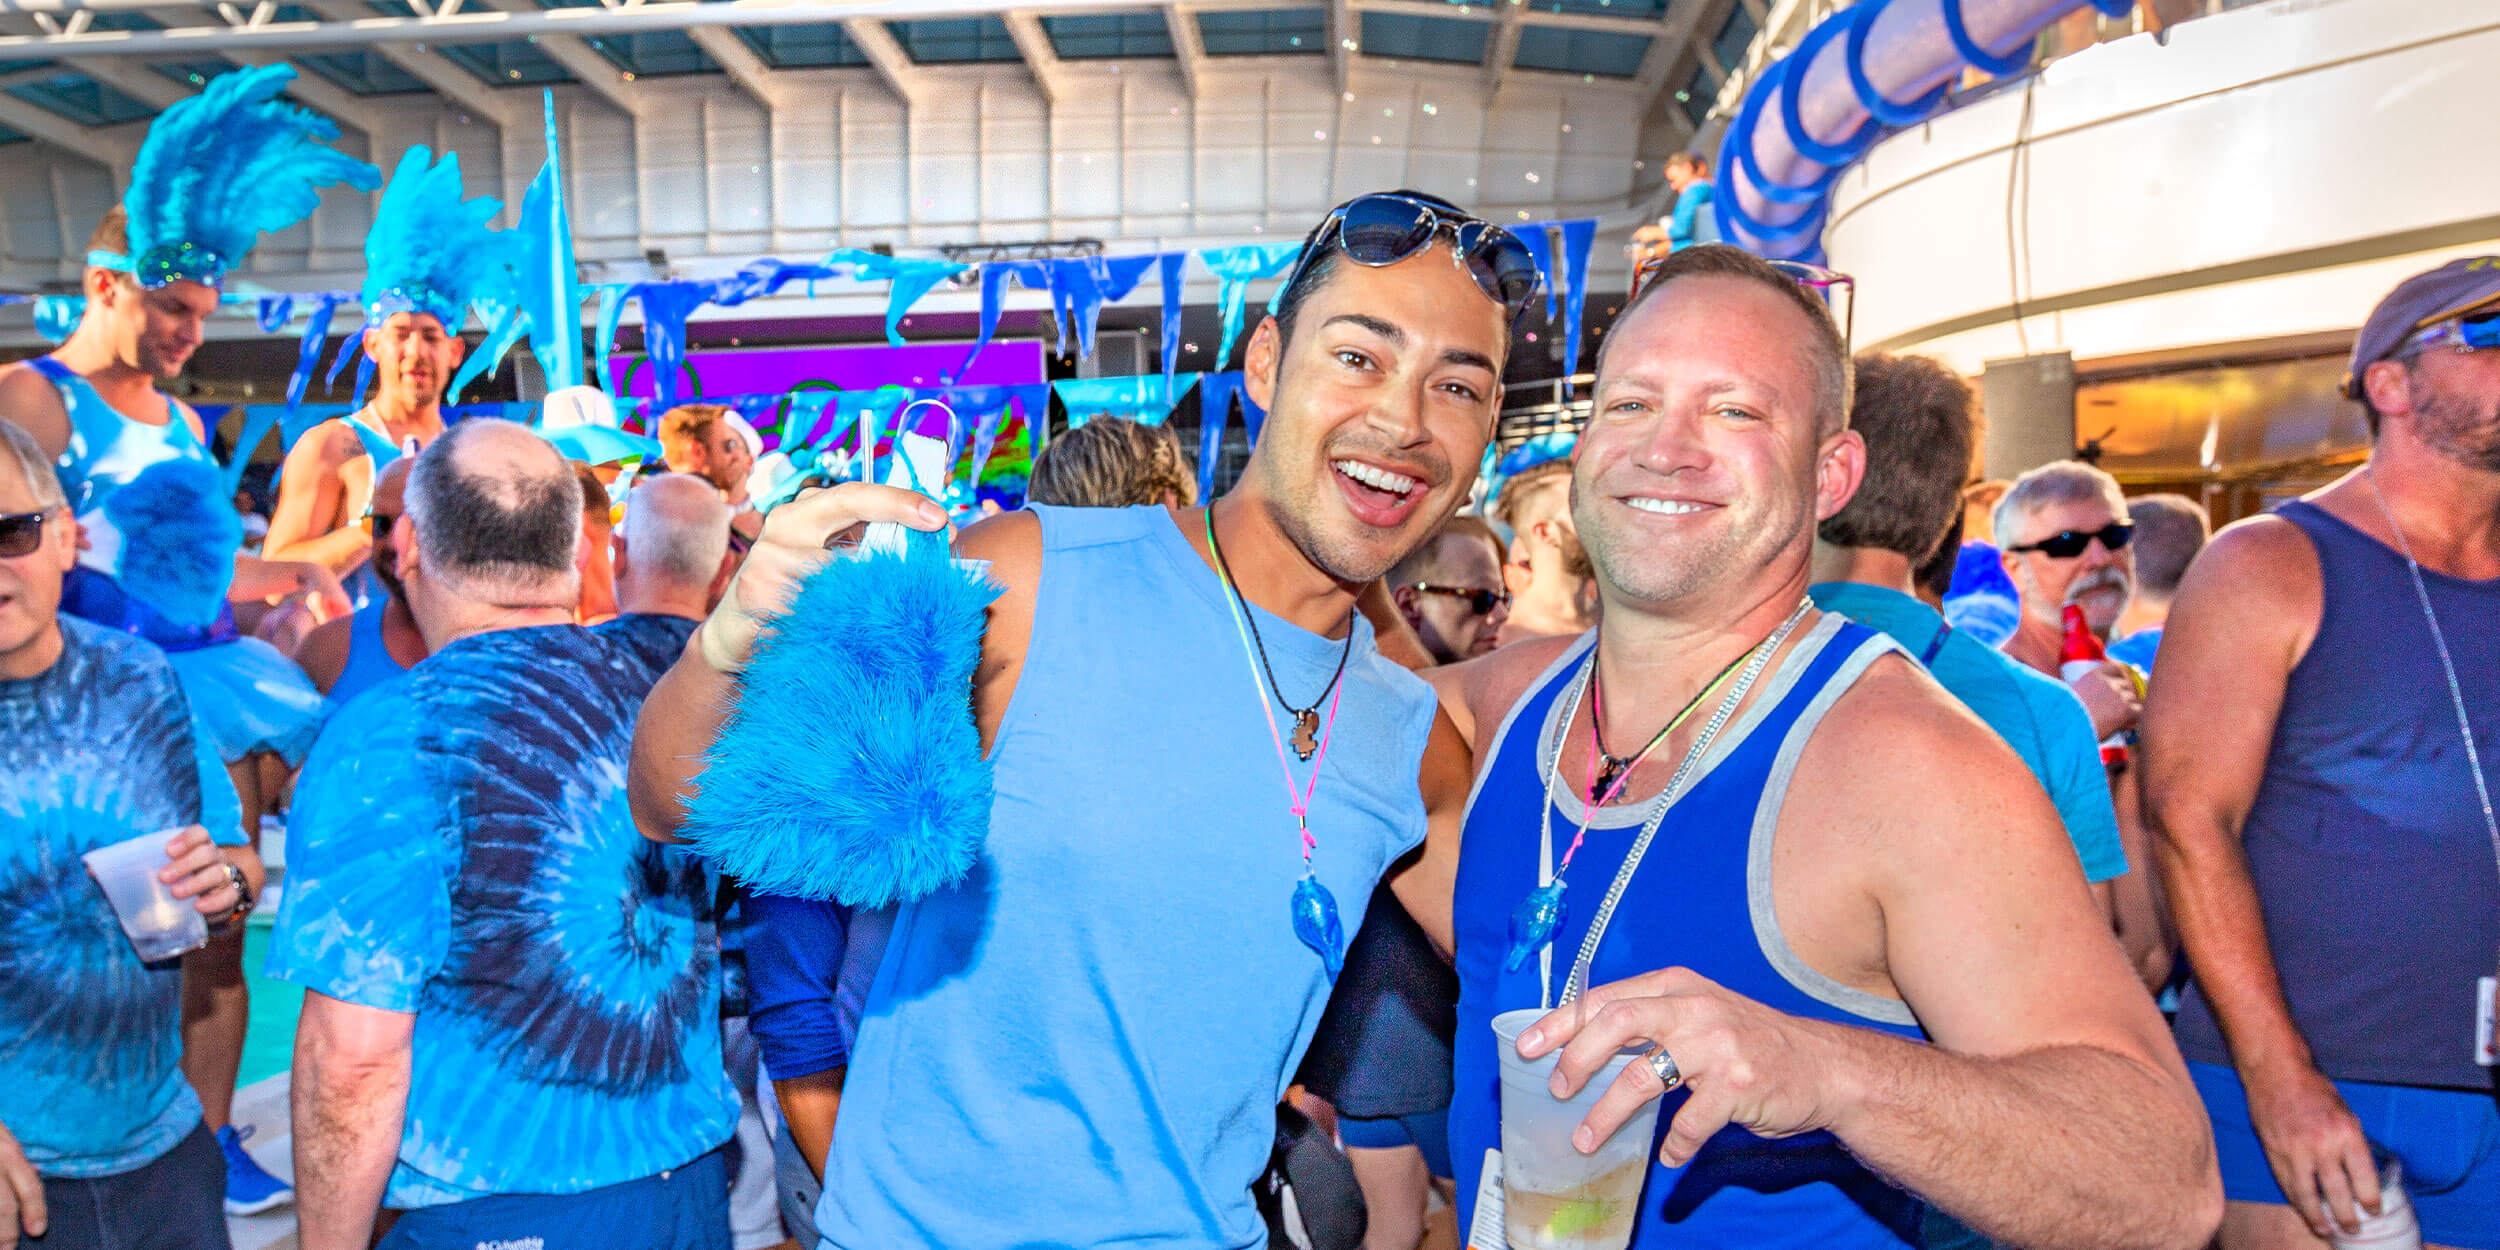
[(160, 926), (1554, 1197), (2395, 1227)]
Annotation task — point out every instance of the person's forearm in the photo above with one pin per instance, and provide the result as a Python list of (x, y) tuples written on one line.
[(347, 1115), (2222, 928), (672, 735), (339, 551), (809, 1105), (2133, 1165)]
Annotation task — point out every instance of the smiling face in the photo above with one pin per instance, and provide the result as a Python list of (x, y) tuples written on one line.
[(1702, 471), (1378, 409), (414, 358)]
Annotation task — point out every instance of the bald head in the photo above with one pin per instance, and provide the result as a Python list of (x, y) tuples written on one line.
[(497, 515), (390, 490), (675, 534)]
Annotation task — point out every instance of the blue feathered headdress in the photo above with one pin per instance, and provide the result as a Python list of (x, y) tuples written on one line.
[(430, 251), (220, 169)]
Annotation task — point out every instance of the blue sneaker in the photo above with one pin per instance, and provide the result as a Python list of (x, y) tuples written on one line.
[(250, 1189)]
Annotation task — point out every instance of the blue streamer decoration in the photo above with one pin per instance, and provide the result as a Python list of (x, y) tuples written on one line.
[(548, 277), (275, 311), (1235, 268), (910, 278), (308, 353), (57, 315), (1578, 236), (1172, 264), (1145, 398)]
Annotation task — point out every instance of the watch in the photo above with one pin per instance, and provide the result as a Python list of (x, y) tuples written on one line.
[(243, 899)]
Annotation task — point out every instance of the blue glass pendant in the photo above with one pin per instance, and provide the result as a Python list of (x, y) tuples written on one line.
[(1315, 922), (1533, 921)]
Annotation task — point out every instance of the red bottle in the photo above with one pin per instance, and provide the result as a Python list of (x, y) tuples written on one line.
[(2081, 652)]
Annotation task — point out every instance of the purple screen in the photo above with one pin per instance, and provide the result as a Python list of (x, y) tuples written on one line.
[(770, 370)]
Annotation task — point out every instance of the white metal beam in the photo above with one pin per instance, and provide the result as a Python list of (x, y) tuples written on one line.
[(431, 68), (893, 64), (583, 62), (1503, 47), (1345, 38), (1675, 36), (313, 89), (1040, 56), (740, 62), (114, 151), (1187, 47)]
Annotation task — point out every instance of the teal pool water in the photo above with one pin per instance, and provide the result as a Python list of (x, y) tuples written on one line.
[(270, 1045)]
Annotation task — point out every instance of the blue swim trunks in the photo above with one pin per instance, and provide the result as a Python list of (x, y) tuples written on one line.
[(2447, 1139)]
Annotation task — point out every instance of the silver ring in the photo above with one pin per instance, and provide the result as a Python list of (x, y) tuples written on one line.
[(1663, 1065)]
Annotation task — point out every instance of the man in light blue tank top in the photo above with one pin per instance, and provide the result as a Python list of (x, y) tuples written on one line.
[(2318, 768), (1084, 1042), (1852, 942)]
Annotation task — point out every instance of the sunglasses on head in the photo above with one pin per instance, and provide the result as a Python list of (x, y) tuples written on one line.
[(1382, 229), (2067, 544), (20, 533), (1480, 602), (1824, 283)]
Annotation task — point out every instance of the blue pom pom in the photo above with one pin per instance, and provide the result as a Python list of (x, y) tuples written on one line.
[(179, 533), (851, 768)]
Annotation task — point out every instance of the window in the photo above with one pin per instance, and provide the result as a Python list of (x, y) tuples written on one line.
[(1262, 32), (364, 73), (1098, 36), (1603, 53), (1411, 38), (939, 41), (802, 47), (1735, 36), (81, 99)]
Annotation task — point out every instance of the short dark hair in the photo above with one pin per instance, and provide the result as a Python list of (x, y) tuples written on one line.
[(1915, 416), (1699, 162), (1935, 576), (1425, 562), (1831, 354), (2169, 531), (597, 505), (485, 534)]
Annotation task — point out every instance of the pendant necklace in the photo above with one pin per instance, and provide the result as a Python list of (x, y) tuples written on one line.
[(1315, 920), (1605, 781), (1538, 916)]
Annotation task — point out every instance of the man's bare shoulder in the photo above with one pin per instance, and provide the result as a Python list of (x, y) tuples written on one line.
[(1898, 742), (1010, 541), (1490, 685), (329, 444), (2266, 557), (28, 398)]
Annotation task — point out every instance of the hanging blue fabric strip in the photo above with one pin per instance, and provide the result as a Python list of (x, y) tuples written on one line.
[(1215, 408), (1578, 236), (57, 315), (274, 312), (258, 419), (351, 347), (1532, 236), (612, 298), (501, 334), (1033, 275), (1172, 263), (308, 351)]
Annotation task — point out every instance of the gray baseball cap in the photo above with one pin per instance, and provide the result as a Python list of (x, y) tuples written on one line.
[(2460, 286)]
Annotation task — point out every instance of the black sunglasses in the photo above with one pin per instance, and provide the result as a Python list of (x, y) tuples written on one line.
[(381, 522), (20, 533), (2067, 544), (1382, 229), (1481, 602)]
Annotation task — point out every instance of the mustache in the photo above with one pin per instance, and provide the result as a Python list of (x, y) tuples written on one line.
[(2108, 578)]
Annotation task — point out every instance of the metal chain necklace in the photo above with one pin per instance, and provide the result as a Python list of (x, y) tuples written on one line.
[(1534, 921), (1306, 727), (2447, 666)]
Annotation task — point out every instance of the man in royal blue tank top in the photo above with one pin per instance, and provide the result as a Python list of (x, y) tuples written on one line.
[(2318, 765), (1084, 1042), (1783, 950)]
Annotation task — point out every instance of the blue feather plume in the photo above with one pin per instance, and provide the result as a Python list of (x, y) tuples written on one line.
[(179, 533), (229, 164), (851, 768), (429, 250)]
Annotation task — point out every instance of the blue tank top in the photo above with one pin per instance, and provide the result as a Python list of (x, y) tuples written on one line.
[(1707, 879), (1084, 1042), (369, 661), (106, 450), (2366, 844)]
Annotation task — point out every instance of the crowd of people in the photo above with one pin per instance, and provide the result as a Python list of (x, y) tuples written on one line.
[(1734, 730)]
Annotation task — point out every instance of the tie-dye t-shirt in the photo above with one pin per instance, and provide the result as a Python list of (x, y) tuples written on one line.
[(654, 638), (462, 850), (97, 749)]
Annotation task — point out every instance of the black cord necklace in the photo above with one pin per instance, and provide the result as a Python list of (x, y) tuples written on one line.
[(1305, 719), (1602, 787)]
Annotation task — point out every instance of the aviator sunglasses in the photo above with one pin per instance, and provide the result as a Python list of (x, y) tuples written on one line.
[(2067, 544), (1382, 229), (1480, 602), (20, 534)]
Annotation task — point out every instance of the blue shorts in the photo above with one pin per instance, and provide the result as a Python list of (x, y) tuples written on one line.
[(681, 1209), (2448, 1141), (1428, 1132)]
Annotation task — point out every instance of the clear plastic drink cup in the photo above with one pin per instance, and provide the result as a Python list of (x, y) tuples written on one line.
[(1554, 1197), (160, 926)]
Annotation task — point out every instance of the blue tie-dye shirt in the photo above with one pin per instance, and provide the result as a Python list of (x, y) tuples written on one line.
[(97, 749), (461, 850)]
